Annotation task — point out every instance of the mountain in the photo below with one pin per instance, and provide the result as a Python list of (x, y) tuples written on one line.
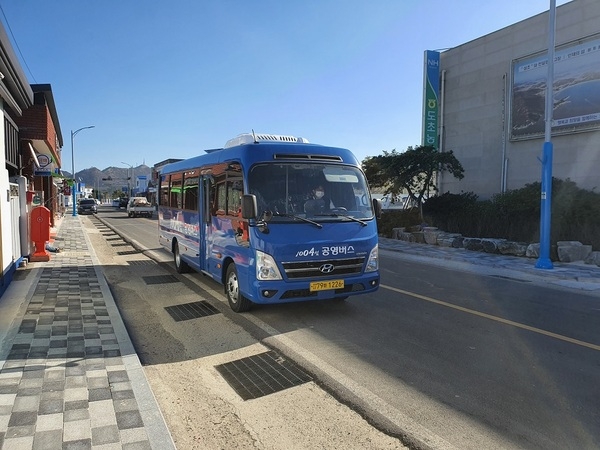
[(110, 179)]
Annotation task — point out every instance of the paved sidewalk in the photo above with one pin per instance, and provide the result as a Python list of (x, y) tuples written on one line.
[(577, 275), (70, 377)]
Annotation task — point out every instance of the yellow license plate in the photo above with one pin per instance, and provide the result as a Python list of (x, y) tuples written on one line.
[(326, 285)]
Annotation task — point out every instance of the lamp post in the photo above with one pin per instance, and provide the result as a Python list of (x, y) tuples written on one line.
[(73, 134), (128, 178)]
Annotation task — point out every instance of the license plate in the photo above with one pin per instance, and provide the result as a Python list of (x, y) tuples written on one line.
[(326, 285)]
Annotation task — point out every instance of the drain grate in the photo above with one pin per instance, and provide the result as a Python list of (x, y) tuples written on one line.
[(119, 244), (263, 374), (193, 310), (128, 252), (141, 262), (160, 279)]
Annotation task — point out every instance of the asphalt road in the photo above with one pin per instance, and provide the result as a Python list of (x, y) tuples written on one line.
[(454, 358)]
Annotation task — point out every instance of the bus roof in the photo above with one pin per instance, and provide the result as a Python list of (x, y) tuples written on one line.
[(253, 148)]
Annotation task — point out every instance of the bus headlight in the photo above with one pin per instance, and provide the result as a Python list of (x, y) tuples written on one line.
[(266, 269), (373, 262)]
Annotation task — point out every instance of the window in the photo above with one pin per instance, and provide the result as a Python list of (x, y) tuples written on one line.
[(190, 190), (164, 190), (176, 194)]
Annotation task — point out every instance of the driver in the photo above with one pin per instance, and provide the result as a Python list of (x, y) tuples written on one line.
[(318, 201)]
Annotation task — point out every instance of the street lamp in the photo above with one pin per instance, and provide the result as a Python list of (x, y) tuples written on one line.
[(128, 178), (73, 134)]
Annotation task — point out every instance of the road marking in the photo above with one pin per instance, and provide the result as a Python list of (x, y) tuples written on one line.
[(494, 318)]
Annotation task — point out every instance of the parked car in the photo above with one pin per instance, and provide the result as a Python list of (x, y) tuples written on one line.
[(87, 206)]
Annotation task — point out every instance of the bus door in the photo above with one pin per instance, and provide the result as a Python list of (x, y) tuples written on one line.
[(205, 211)]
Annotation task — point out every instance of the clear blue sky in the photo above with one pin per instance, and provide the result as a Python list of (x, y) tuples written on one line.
[(168, 79)]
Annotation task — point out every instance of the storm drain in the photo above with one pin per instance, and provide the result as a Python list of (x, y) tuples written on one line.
[(116, 238), (189, 311), (141, 262), (119, 244), (160, 279), (263, 374), (128, 252)]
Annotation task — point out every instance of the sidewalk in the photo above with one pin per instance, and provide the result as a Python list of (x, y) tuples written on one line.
[(70, 377), (577, 275)]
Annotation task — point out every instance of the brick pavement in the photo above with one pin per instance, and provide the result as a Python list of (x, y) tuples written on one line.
[(70, 377)]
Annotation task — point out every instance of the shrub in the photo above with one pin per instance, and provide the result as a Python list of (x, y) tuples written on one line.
[(513, 215)]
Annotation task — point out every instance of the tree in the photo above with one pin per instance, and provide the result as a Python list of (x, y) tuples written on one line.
[(412, 171)]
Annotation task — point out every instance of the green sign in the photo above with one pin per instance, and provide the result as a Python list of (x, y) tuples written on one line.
[(431, 98)]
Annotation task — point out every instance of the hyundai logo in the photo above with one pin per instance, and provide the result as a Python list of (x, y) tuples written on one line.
[(327, 268)]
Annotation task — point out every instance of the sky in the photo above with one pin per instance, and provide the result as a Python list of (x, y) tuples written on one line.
[(161, 80)]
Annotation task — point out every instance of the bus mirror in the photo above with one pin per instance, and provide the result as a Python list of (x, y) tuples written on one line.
[(249, 206), (377, 207)]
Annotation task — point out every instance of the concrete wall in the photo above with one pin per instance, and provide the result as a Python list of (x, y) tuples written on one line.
[(476, 105)]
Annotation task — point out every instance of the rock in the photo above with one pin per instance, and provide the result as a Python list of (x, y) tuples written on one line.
[(448, 239), (431, 235), (570, 251), (512, 248), (473, 244), (491, 245), (409, 237), (533, 251), (396, 232), (419, 236), (593, 258)]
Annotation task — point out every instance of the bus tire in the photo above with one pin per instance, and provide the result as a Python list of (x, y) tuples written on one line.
[(180, 265), (237, 302)]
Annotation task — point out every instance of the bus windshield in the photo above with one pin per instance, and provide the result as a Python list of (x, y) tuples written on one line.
[(319, 191)]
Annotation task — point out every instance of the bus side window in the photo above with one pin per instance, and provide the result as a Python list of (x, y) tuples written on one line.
[(164, 190), (234, 198), (220, 199)]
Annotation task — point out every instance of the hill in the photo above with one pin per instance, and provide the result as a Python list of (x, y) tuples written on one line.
[(111, 178)]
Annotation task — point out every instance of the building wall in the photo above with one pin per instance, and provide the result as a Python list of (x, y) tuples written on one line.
[(476, 108), (5, 213)]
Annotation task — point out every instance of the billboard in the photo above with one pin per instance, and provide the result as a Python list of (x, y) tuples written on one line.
[(431, 95), (576, 91)]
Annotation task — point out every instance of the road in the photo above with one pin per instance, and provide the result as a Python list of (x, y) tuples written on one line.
[(439, 357)]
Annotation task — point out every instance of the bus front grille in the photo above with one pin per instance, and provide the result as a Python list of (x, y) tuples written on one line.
[(319, 269)]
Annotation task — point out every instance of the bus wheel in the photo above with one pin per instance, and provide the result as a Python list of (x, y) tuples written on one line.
[(180, 265), (237, 301)]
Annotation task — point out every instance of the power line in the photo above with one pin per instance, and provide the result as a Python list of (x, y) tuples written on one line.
[(17, 45)]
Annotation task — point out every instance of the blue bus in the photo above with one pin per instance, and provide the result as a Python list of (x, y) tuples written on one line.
[(274, 219)]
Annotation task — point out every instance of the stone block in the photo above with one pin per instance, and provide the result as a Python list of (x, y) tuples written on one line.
[(419, 237), (533, 251), (447, 239), (473, 244), (408, 237), (593, 258), (431, 235), (491, 245), (396, 232), (570, 251), (512, 248)]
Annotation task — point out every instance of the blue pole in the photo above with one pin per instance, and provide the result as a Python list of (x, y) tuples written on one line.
[(544, 261)]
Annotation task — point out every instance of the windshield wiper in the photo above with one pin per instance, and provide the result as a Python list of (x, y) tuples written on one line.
[(303, 219), (362, 222)]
